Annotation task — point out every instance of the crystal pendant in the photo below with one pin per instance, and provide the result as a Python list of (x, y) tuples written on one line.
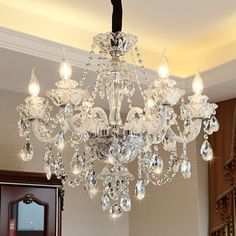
[(48, 171), (77, 164), (157, 164), (116, 211), (206, 151), (186, 169), (125, 203), (27, 152), (105, 202), (140, 189), (58, 167), (60, 141), (91, 184), (214, 123)]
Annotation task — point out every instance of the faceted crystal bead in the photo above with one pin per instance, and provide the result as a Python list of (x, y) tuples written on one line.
[(125, 203), (156, 164), (140, 189), (77, 164), (27, 152), (206, 151), (186, 169), (116, 211), (214, 123), (105, 202)]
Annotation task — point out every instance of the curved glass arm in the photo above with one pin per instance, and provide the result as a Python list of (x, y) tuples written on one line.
[(190, 132)]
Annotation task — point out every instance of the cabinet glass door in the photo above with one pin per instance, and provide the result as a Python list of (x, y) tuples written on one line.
[(27, 217)]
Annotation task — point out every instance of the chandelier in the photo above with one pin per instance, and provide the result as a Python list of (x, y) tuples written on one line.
[(163, 126)]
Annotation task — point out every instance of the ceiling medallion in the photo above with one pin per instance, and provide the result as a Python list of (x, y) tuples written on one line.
[(162, 127)]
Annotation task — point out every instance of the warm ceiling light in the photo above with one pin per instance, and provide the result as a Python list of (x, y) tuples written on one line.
[(34, 87)]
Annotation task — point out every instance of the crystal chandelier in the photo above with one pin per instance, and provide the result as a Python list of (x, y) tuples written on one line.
[(163, 126)]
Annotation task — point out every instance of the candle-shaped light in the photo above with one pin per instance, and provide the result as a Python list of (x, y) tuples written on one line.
[(163, 70), (34, 87), (65, 69), (197, 85)]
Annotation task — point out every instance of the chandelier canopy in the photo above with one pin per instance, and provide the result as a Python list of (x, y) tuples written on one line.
[(165, 124)]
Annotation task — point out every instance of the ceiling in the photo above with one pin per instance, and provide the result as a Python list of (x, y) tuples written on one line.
[(198, 34)]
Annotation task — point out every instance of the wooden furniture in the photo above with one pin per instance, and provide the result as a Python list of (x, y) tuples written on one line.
[(222, 173), (30, 204)]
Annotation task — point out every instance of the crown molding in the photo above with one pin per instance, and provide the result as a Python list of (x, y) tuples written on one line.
[(42, 48)]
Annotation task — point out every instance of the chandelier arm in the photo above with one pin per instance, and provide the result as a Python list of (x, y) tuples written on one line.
[(195, 130), (117, 16), (82, 129)]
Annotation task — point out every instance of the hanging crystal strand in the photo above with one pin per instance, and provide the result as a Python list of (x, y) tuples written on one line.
[(140, 61), (140, 185), (135, 71), (48, 161), (186, 165), (59, 169), (98, 76), (27, 152), (87, 65)]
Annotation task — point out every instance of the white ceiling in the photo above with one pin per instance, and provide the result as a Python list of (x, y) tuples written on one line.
[(197, 33), (188, 28)]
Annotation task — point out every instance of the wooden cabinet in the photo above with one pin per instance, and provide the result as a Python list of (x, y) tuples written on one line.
[(222, 173), (30, 205)]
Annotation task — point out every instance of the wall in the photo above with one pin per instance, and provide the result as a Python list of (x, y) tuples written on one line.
[(179, 208)]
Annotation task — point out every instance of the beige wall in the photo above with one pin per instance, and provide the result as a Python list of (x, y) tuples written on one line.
[(178, 208), (168, 210)]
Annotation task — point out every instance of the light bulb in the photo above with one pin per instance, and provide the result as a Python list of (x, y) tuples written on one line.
[(163, 70), (34, 87), (197, 85), (65, 69)]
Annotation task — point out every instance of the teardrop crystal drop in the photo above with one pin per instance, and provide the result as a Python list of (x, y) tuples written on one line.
[(105, 202), (116, 211), (27, 152), (186, 169), (125, 203), (60, 141), (77, 164), (48, 171), (157, 164), (140, 189), (214, 123), (91, 184), (206, 151)]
